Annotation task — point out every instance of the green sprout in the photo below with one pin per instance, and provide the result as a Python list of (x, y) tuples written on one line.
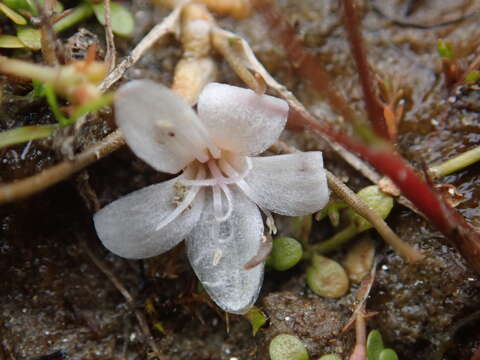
[(472, 77), (257, 319), (445, 49)]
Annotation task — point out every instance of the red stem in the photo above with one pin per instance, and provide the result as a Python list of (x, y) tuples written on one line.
[(372, 105), (413, 187)]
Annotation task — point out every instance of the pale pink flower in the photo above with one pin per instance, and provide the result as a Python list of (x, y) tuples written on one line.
[(214, 203)]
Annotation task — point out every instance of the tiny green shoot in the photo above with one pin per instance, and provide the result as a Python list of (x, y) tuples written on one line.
[(257, 319)]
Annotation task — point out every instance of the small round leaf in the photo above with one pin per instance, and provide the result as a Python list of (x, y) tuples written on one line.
[(287, 347), (388, 354), (374, 345), (327, 278), (380, 202), (286, 253), (330, 357), (122, 20)]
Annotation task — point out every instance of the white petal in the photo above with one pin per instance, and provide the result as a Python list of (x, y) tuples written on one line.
[(219, 251), (293, 184), (158, 125), (128, 226), (239, 120)]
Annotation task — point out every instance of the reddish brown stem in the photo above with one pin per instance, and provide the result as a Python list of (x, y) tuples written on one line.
[(304, 62), (413, 187), (367, 80)]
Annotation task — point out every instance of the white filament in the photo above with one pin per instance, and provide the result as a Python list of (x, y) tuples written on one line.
[(192, 192)]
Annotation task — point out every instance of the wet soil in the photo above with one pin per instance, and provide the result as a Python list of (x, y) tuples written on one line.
[(55, 303)]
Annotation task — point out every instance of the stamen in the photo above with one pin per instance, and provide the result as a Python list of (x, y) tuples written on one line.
[(217, 197), (217, 202), (228, 195), (190, 196), (242, 184)]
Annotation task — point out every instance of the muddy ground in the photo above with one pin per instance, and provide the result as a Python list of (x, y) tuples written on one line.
[(55, 303)]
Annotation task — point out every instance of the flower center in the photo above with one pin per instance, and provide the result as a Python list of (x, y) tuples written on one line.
[(218, 173)]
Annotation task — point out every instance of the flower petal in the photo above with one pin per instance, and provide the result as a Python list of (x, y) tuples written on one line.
[(293, 184), (239, 120), (219, 251), (159, 126), (128, 226)]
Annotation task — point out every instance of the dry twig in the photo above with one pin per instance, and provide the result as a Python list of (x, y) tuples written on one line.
[(111, 52), (167, 26)]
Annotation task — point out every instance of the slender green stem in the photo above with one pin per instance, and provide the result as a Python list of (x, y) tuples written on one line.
[(52, 101), (457, 163), (91, 106), (26, 133), (335, 241), (79, 13)]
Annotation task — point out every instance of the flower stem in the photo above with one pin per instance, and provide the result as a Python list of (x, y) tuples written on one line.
[(457, 163), (26, 133)]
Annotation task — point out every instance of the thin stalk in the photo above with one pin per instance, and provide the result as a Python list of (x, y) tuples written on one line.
[(457, 163), (78, 14), (362, 208), (26, 133), (367, 81)]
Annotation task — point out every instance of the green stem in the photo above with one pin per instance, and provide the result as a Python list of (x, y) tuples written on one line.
[(53, 103), (457, 163), (25, 133), (335, 241), (78, 14), (93, 105)]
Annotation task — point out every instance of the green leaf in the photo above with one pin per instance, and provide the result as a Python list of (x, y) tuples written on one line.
[(25, 133), (76, 15), (374, 345), (380, 202), (287, 347), (17, 4), (286, 253), (256, 318), (122, 20), (30, 37), (330, 357), (12, 15), (10, 42), (388, 354), (32, 8), (445, 49), (472, 77), (327, 278)]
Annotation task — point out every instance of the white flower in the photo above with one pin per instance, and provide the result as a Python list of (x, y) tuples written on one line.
[(214, 203)]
